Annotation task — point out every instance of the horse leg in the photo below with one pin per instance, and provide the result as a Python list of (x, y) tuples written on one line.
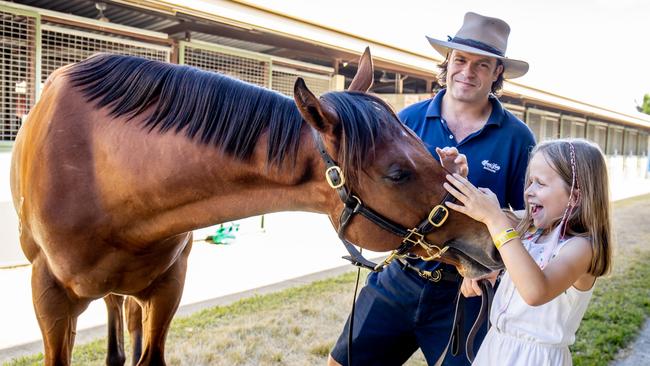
[(56, 311), (134, 324), (159, 303), (115, 355)]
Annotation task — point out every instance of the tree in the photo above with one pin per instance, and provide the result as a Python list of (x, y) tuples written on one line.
[(645, 106)]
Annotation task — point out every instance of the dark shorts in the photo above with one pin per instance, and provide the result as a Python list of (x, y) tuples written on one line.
[(398, 312)]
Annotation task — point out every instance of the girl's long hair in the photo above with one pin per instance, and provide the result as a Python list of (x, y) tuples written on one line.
[(591, 216)]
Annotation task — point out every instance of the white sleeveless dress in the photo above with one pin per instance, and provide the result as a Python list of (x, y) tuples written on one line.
[(533, 335)]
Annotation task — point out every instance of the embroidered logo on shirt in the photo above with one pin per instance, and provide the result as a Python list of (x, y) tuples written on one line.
[(492, 167)]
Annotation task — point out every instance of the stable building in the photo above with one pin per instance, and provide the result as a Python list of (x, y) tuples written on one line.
[(262, 47)]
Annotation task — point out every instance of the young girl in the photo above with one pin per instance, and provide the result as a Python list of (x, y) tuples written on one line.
[(553, 256)]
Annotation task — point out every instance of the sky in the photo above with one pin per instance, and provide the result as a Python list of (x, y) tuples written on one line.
[(595, 51)]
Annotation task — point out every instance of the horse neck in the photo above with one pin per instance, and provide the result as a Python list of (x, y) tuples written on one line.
[(195, 186)]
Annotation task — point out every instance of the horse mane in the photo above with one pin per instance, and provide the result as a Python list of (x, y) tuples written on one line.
[(211, 107), (225, 112)]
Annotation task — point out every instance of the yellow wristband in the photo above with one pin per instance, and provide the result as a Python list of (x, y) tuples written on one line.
[(504, 237)]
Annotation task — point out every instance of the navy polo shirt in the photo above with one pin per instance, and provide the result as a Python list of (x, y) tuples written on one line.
[(497, 154)]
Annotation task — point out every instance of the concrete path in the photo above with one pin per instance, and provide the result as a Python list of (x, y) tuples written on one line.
[(638, 353)]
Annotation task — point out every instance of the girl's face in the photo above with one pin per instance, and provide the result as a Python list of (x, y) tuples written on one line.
[(546, 193)]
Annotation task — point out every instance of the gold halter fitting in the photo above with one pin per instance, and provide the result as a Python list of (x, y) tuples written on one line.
[(329, 179), (434, 212), (433, 251), (429, 248)]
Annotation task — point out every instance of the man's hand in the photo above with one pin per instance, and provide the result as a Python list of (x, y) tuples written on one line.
[(453, 161), (470, 287)]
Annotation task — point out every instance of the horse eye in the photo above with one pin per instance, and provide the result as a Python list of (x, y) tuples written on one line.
[(398, 176)]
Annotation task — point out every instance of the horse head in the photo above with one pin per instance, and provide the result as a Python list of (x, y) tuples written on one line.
[(378, 165)]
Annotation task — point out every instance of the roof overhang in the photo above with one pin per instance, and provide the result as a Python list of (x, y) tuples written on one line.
[(271, 27), (541, 97), (265, 25)]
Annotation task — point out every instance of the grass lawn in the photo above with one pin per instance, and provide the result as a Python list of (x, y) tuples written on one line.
[(621, 301), (298, 326)]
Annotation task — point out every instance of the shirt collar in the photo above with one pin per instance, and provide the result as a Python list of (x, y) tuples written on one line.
[(496, 117)]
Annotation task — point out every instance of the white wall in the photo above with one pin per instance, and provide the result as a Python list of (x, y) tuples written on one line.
[(628, 176), (10, 252), (5, 162)]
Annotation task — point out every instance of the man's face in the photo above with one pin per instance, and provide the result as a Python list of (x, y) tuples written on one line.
[(470, 76)]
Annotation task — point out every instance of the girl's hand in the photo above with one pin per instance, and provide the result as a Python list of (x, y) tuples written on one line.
[(452, 160), (481, 204)]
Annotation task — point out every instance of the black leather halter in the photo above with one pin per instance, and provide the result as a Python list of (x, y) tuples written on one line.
[(352, 205)]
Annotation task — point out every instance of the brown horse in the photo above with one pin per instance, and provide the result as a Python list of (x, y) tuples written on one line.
[(123, 157)]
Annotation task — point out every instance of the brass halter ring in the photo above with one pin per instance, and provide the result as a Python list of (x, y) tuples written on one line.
[(429, 248)]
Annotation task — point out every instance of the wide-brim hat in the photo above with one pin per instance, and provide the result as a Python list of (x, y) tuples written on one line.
[(485, 36)]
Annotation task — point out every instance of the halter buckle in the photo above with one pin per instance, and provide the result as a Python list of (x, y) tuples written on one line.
[(340, 177), (435, 212)]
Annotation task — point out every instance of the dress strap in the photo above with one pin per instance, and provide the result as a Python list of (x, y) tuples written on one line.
[(543, 251)]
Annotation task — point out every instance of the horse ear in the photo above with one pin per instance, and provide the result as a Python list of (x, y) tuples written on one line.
[(365, 73), (318, 115)]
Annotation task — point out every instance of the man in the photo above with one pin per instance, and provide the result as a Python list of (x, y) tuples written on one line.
[(398, 311)]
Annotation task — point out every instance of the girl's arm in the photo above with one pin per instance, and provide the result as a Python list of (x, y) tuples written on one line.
[(470, 286), (536, 286)]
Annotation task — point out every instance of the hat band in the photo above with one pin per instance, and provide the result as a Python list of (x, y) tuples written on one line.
[(476, 44)]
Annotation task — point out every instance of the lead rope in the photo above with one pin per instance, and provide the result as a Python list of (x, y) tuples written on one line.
[(441, 358), (487, 294), (354, 301), (454, 335)]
